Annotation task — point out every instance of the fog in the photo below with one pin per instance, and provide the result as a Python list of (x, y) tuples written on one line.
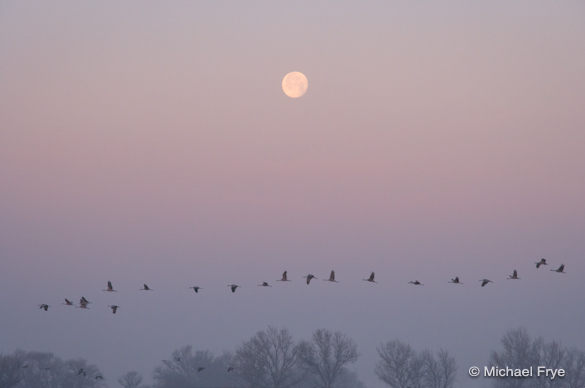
[(151, 143)]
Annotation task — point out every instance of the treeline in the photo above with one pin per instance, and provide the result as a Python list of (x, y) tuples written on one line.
[(273, 359)]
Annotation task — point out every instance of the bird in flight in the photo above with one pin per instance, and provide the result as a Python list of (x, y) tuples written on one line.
[(485, 282), (110, 287), (230, 369), (284, 277), (541, 262), (44, 306), (68, 302), (145, 288), (233, 287), (264, 284), (416, 283), (309, 277), (83, 302), (455, 280), (114, 308), (200, 369), (371, 279), (331, 277), (561, 269), (514, 275), (195, 288)]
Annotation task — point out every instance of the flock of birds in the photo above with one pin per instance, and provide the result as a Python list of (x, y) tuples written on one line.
[(83, 302)]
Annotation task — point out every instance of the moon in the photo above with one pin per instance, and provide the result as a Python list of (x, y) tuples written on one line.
[(295, 84)]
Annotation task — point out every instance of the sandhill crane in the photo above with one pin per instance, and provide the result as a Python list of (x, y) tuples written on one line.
[(110, 288), (264, 284), (371, 279), (309, 277), (455, 280), (561, 269), (331, 277), (83, 302), (541, 262), (514, 275), (416, 283), (485, 282), (114, 308), (68, 302), (200, 369), (145, 288), (44, 306), (195, 288), (233, 287), (284, 277)]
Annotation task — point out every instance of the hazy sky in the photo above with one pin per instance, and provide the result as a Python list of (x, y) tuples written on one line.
[(148, 141)]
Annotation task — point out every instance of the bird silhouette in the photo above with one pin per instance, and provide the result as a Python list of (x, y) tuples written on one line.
[(309, 277), (233, 287), (145, 288), (83, 302), (44, 306), (284, 277), (455, 280), (371, 279), (416, 283), (196, 289), (110, 287), (230, 369), (561, 269), (81, 372), (485, 282), (514, 275), (200, 369), (264, 284), (68, 302), (331, 277), (541, 262), (114, 308)]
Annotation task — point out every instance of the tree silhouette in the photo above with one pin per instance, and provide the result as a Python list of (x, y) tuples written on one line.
[(130, 380), (269, 360), (326, 356)]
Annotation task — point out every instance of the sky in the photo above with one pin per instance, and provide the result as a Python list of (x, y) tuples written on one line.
[(146, 141)]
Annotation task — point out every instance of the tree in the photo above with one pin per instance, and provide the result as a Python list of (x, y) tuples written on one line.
[(11, 370), (522, 351), (269, 360), (186, 369), (327, 355), (438, 371), (399, 366), (574, 364), (130, 380), (45, 370)]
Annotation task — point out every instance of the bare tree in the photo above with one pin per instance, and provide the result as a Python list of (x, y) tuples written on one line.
[(130, 380), (188, 369), (327, 355), (11, 370), (399, 366), (522, 351), (574, 365), (438, 371), (268, 360), (45, 370)]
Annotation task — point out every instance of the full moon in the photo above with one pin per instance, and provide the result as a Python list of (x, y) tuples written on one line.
[(295, 84)]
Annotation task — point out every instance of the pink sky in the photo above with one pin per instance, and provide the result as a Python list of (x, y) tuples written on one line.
[(142, 140)]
